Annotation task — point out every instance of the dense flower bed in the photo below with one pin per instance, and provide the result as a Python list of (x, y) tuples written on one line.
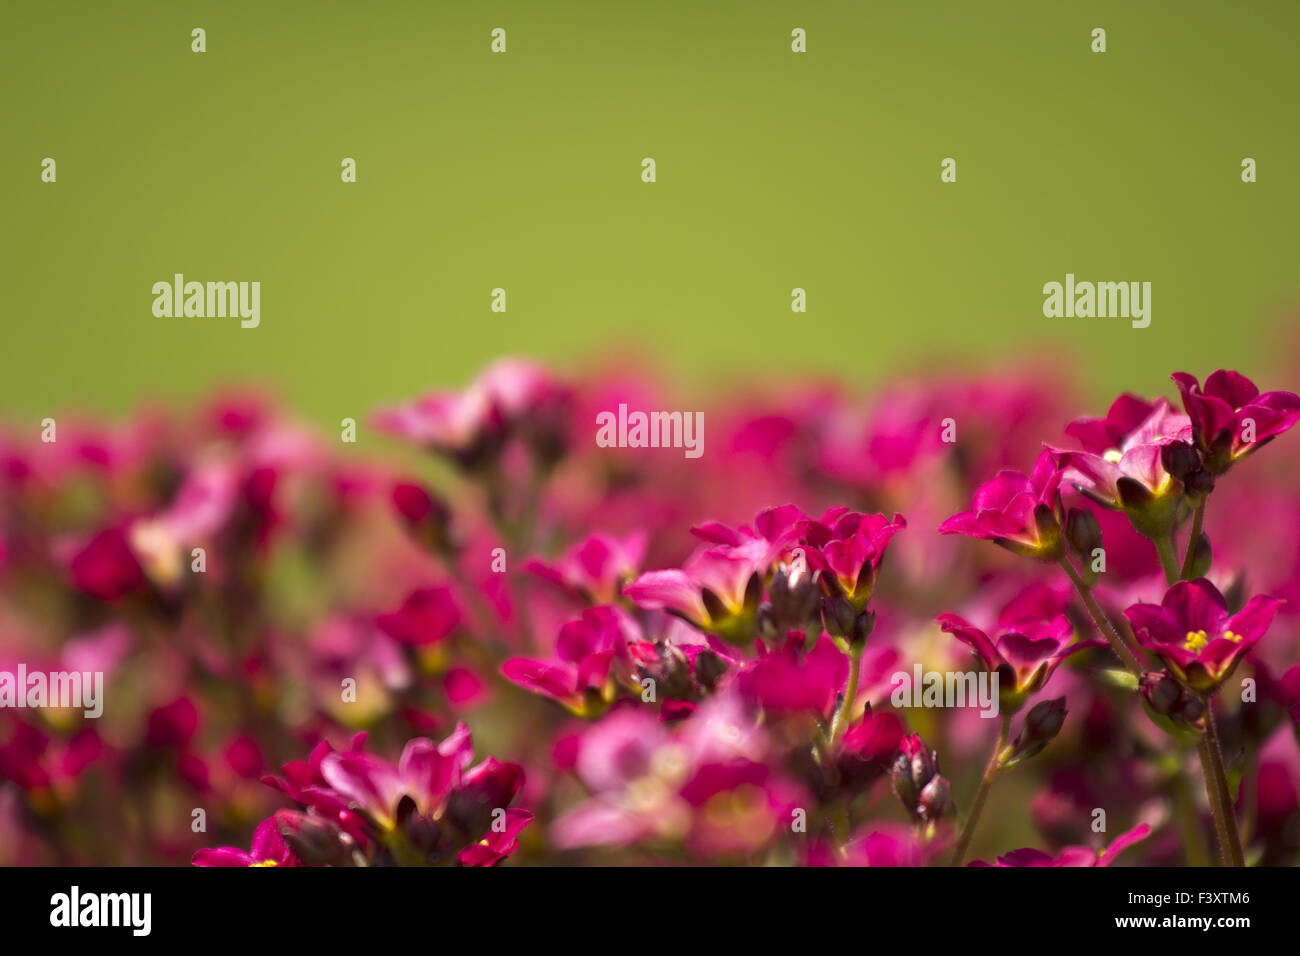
[(478, 635)]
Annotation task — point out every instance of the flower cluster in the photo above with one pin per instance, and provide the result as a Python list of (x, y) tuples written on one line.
[(747, 657)]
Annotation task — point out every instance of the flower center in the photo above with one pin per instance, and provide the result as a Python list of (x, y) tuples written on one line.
[(1195, 640), (1114, 456)]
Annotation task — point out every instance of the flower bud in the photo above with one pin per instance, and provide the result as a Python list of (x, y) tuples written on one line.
[(936, 798), (1171, 699), (1180, 459), (1042, 724), (709, 668), (1082, 531), (793, 598), (314, 839), (916, 781)]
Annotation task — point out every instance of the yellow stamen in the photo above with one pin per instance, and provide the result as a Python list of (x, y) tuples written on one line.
[(1235, 638), (1196, 640)]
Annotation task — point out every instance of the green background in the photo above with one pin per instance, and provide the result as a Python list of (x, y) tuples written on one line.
[(522, 170)]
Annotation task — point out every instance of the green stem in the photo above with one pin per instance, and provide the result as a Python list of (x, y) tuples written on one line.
[(1115, 639), (986, 781), (844, 715), (1216, 789), (1189, 560), (1168, 560), (1185, 807)]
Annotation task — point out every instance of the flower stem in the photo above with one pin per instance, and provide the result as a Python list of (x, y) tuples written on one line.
[(990, 771), (1185, 805), (1116, 640), (844, 714), (1189, 560), (1168, 560), (1216, 789)]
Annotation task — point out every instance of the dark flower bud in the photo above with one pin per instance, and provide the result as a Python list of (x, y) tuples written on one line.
[(1045, 719), (793, 597), (1161, 691), (839, 614), (1199, 483), (1180, 459), (709, 668), (1082, 531), (314, 839), (1171, 699), (1042, 724)]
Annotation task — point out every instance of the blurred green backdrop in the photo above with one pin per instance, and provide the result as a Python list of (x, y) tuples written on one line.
[(522, 170)]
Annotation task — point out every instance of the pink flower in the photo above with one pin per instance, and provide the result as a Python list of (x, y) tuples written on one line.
[(1073, 855), (718, 590), (268, 849), (427, 616), (1019, 512), (884, 844), (788, 680), (848, 547), (1192, 632), (1025, 655), (106, 568), (1099, 435), (580, 676), (1231, 418), (1130, 473), (509, 397), (427, 808), (595, 568)]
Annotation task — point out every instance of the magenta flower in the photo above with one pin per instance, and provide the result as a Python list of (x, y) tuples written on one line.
[(1019, 512), (1099, 435), (106, 568), (594, 569), (1231, 418), (1131, 474), (884, 845), (580, 676), (847, 547), (778, 527), (268, 849), (472, 426), (1073, 855), (1024, 656), (427, 616), (788, 680), (1192, 632), (718, 589), (431, 804), (431, 807), (869, 748)]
